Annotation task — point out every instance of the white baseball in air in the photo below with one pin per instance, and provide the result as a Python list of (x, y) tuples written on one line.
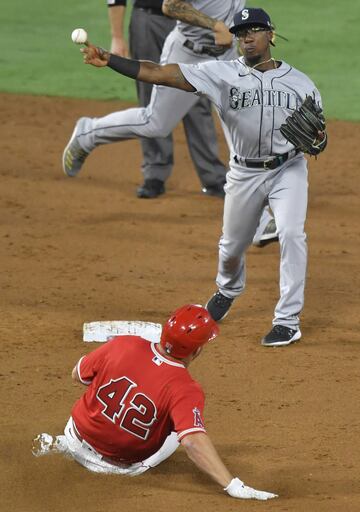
[(79, 36)]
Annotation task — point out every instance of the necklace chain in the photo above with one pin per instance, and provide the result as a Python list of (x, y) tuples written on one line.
[(265, 62)]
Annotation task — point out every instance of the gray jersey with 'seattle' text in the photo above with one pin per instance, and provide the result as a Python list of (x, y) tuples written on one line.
[(252, 104), (222, 10)]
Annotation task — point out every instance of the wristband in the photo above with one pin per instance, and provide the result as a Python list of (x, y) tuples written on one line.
[(127, 67)]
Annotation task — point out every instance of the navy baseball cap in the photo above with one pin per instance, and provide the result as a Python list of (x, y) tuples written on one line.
[(251, 16)]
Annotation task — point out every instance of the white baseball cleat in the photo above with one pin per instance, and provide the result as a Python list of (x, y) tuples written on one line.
[(42, 444)]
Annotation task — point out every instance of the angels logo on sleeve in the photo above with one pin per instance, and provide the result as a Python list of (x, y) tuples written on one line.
[(198, 421)]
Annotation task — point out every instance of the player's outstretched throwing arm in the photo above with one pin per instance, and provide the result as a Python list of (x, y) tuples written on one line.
[(146, 71)]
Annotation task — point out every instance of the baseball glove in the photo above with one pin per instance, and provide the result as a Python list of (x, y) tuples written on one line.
[(305, 128)]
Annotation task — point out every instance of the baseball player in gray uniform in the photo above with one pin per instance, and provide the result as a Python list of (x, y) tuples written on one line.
[(254, 95), (148, 20), (201, 35)]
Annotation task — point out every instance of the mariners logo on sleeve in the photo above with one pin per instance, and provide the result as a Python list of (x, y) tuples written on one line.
[(198, 422)]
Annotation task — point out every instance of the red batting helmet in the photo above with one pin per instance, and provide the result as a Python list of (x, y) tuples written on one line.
[(188, 328)]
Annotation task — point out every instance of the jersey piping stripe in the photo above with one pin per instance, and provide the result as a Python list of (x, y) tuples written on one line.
[(273, 121), (163, 359), (272, 130), (86, 382), (280, 76), (290, 88), (262, 111), (190, 431), (115, 126)]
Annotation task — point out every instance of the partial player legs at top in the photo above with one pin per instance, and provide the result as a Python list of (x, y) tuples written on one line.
[(199, 127), (166, 109), (158, 158)]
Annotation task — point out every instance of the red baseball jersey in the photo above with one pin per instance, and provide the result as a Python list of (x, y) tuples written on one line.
[(135, 398)]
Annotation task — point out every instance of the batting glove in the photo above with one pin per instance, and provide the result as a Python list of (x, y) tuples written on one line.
[(237, 489)]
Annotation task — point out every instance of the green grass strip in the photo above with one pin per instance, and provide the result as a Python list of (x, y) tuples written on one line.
[(38, 56)]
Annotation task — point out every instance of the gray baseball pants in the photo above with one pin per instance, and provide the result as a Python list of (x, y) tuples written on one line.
[(247, 192)]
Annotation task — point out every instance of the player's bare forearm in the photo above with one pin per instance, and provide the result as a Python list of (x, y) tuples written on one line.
[(116, 19), (169, 75), (202, 452), (185, 12), (146, 71)]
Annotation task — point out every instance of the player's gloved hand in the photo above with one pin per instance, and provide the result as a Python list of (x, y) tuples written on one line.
[(306, 128), (237, 489)]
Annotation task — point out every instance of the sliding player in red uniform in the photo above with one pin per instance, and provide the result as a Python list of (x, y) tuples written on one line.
[(141, 402)]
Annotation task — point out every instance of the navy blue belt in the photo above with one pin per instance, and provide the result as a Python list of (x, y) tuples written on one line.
[(268, 164)]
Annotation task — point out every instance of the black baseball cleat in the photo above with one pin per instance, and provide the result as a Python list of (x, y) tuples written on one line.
[(150, 189), (280, 335), (214, 190), (218, 306)]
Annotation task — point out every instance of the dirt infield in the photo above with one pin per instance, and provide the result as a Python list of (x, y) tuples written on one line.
[(76, 250)]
